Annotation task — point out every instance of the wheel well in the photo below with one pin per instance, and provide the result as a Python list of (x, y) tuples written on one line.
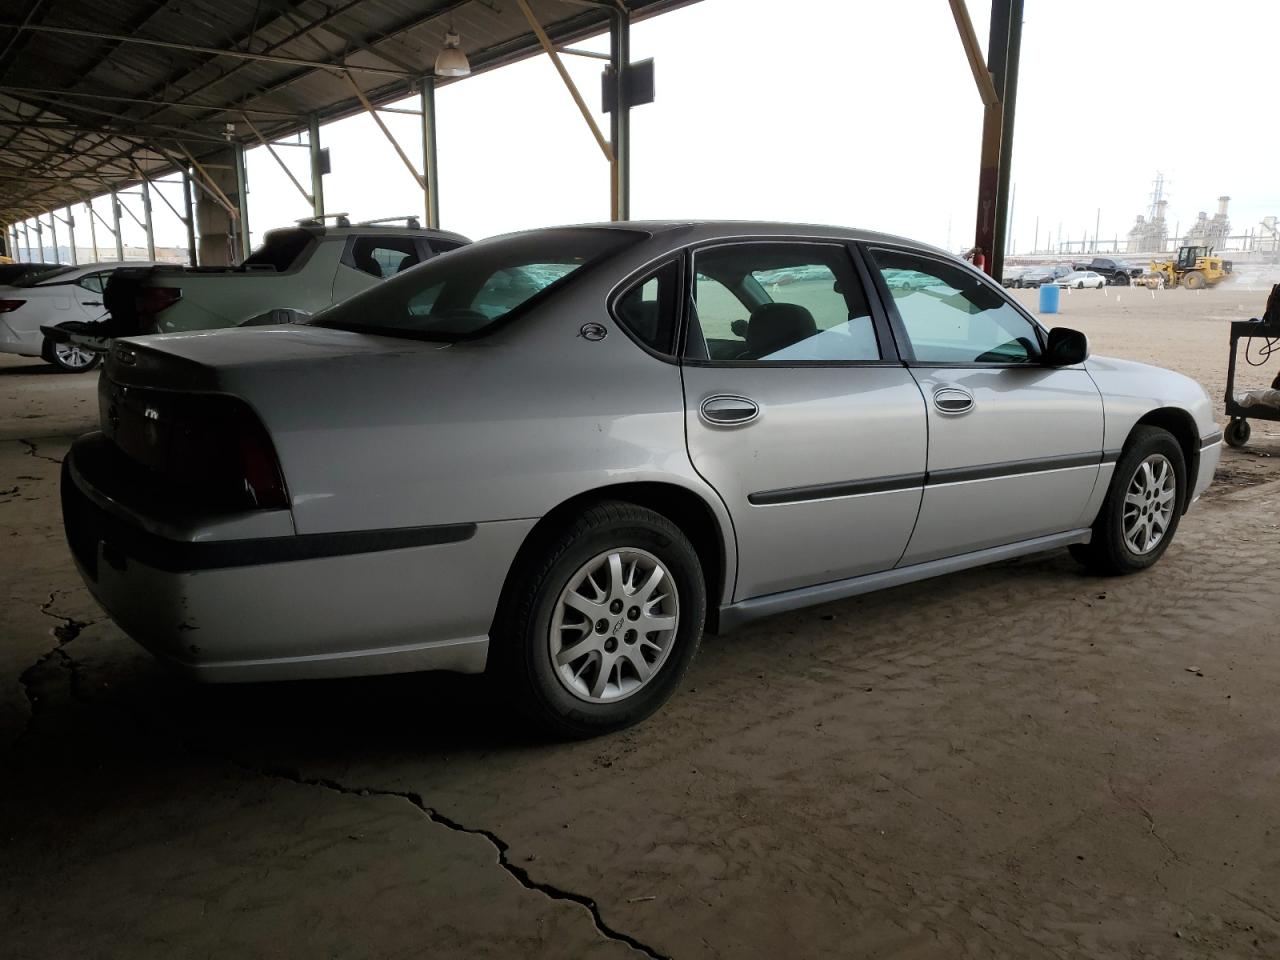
[(1183, 427), (683, 507)]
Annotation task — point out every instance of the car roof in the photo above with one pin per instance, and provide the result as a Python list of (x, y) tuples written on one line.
[(372, 230)]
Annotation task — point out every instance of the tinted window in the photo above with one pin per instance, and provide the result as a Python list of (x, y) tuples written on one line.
[(94, 282), (952, 316), (383, 256), (280, 250), (649, 309), (784, 302), (44, 276), (465, 293)]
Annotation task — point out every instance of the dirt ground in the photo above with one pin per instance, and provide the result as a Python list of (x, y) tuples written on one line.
[(1020, 761)]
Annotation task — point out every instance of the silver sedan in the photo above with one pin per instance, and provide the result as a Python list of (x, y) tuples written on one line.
[(560, 456)]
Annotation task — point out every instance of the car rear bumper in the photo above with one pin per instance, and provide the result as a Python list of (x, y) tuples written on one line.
[(291, 607)]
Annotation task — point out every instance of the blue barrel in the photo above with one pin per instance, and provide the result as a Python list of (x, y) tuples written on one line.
[(1049, 294)]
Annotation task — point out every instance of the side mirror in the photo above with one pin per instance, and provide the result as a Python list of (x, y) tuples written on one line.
[(1066, 347)]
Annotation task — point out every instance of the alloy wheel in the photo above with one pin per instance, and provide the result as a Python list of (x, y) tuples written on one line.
[(614, 625), (1149, 504), (73, 357)]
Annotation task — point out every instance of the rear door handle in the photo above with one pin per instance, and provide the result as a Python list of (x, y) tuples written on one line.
[(93, 303), (952, 400), (728, 411)]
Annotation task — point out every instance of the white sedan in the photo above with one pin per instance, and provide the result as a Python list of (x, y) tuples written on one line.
[(1079, 279), (50, 299)]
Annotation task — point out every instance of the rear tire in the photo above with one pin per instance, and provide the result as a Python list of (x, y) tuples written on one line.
[(69, 358), (1140, 515), (571, 578)]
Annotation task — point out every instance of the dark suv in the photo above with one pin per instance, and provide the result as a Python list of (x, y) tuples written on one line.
[(1117, 273)]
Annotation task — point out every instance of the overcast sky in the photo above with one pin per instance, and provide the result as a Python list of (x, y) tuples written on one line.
[(857, 113)]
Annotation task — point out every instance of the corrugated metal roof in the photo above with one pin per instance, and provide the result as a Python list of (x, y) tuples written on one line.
[(82, 109)]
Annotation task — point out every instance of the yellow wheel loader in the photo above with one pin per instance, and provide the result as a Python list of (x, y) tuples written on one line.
[(1196, 267)]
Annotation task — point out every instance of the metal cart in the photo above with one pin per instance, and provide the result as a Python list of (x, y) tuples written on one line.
[(1237, 432)]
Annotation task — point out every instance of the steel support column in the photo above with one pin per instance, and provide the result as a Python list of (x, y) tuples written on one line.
[(242, 201), (26, 236), (430, 163), (71, 235), (53, 236), (115, 224), (93, 232), (317, 175), (40, 238), (146, 219), (620, 118), (1004, 72), (189, 219)]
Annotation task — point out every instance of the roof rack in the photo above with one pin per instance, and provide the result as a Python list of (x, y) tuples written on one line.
[(340, 220), (410, 221)]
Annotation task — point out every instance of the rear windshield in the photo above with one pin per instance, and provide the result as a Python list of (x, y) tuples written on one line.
[(466, 293), (280, 250)]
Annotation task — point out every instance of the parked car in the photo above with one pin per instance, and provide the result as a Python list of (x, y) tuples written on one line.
[(1114, 271), (12, 272), (49, 300), (1080, 279), (1035, 277), (559, 455), (303, 268)]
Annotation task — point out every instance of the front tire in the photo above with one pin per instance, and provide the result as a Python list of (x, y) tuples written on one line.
[(1140, 515), (600, 621), (69, 358)]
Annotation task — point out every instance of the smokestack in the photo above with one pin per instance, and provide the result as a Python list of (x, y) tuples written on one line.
[(1222, 206)]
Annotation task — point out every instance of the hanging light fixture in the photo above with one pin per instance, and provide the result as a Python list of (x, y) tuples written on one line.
[(452, 62)]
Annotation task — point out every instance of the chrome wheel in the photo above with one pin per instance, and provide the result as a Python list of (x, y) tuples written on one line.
[(73, 357), (614, 625), (1149, 504)]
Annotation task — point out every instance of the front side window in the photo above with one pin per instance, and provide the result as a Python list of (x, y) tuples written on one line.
[(94, 282), (464, 294), (950, 315), (780, 302)]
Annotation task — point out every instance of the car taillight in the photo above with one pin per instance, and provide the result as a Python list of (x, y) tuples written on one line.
[(259, 466), (210, 452), (8, 306), (154, 300)]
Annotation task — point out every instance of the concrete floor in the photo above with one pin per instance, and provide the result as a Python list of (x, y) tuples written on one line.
[(1021, 761)]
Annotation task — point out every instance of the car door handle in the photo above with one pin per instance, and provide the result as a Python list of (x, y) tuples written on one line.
[(952, 400), (93, 303), (728, 411)]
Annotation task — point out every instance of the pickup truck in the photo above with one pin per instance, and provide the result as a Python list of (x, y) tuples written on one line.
[(1114, 271), (297, 271)]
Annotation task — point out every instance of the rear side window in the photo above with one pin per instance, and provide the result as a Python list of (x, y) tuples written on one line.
[(779, 303), (94, 282), (383, 257), (648, 310)]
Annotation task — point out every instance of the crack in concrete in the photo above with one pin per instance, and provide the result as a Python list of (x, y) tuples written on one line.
[(33, 450), (518, 873), (70, 628), (67, 630)]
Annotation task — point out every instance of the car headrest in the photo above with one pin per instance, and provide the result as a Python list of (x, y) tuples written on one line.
[(777, 325)]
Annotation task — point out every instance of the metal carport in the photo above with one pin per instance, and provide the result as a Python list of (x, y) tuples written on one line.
[(98, 98)]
